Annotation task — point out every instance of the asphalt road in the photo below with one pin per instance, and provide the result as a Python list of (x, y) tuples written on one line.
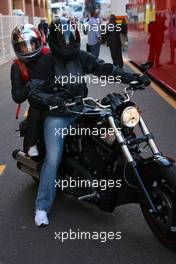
[(22, 242)]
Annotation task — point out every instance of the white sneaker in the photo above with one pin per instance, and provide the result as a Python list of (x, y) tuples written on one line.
[(33, 151), (41, 218)]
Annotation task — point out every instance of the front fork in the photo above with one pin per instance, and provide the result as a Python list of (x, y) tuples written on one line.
[(130, 159), (146, 132)]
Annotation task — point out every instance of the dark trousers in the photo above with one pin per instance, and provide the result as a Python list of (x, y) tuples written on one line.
[(155, 53), (95, 49), (172, 47), (34, 127), (116, 55)]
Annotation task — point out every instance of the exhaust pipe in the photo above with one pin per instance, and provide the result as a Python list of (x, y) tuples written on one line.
[(21, 157), (26, 169)]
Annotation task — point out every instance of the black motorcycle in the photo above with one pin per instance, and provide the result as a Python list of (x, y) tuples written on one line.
[(129, 162)]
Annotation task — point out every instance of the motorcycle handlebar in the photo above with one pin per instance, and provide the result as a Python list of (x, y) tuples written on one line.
[(82, 102)]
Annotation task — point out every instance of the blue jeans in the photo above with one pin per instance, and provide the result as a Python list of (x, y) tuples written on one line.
[(95, 49), (54, 143)]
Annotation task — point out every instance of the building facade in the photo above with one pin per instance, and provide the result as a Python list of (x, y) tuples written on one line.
[(31, 8)]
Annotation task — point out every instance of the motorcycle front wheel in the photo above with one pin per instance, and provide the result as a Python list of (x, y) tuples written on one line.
[(161, 182)]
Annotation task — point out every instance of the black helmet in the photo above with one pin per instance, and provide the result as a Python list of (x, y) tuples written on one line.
[(26, 42), (64, 39)]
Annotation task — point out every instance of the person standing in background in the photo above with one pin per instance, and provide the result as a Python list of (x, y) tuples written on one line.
[(124, 33), (43, 28), (114, 42), (94, 35), (156, 40), (172, 34), (103, 31)]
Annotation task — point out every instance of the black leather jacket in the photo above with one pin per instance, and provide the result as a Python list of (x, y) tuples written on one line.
[(42, 68), (85, 63)]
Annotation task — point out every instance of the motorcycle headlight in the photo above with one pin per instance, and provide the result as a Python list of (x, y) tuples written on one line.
[(130, 116)]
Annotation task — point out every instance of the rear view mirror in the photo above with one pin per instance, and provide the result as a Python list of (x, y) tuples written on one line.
[(146, 66)]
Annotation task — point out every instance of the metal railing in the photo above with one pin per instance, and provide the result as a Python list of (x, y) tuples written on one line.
[(7, 24)]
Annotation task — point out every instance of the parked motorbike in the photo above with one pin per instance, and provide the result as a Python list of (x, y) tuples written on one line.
[(130, 159)]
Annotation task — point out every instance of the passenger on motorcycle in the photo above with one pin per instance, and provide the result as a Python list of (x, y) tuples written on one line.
[(28, 47), (67, 58)]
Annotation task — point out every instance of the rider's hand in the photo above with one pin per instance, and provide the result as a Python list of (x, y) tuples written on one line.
[(143, 79), (57, 101)]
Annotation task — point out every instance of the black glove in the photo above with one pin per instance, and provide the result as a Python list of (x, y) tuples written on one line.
[(57, 101), (142, 79)]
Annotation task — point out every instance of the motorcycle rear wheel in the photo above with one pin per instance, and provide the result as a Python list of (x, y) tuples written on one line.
[(162, 184)]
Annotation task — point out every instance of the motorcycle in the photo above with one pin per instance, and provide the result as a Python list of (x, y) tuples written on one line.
[(133, 165)]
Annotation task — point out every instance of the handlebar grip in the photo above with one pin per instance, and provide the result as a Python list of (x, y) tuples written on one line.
[(52, 107), (56, 106), (71, 104)]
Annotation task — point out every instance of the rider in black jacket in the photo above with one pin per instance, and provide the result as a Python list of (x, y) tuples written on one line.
[(28, 47), (83, 63), (64, 41)]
